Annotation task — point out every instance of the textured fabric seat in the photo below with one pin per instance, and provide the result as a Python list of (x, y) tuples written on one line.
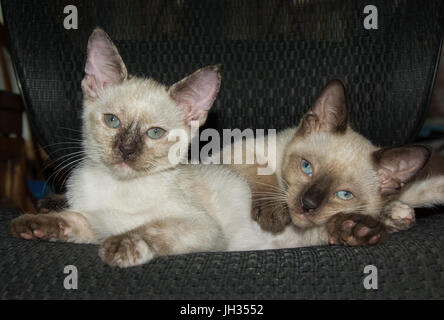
[(409, 266), (275, 56)]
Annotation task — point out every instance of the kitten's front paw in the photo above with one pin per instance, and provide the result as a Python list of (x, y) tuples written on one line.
[(125, 250), (398, 216), (52, 203), (45, 227), (271, 218), (355, 229)]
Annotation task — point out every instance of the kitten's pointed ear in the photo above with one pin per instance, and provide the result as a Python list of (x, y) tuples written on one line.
[(329, 113), (397, 165), (104, 66), (197, 92)]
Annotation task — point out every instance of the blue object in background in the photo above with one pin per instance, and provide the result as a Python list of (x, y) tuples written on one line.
[(428, 129), (39, 188)]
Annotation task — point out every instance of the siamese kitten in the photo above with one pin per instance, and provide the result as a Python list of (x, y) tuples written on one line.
[(328, 174), (126, 195)]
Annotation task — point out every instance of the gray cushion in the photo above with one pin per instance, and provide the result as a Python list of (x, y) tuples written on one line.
[(410, 265)]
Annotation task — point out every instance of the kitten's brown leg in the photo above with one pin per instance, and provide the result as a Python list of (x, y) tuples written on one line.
[(270, 217), (64, 226), (162, 237), (126, 250), (355, 229), (52, 203), (268, 207), (398, 216)]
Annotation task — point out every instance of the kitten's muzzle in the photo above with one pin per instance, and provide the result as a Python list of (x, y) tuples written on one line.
[(128, 144), (312, 198), (128, 152)]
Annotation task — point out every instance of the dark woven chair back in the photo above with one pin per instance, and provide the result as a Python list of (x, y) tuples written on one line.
[(275, 56)]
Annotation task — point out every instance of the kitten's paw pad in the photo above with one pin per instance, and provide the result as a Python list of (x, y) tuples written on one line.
[(125, 250), (355, 230), (31, 226), (399, 216), (52, 203), (273, 219)]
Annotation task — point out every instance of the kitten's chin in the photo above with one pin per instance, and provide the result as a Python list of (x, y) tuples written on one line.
[(302, 221), (124, 171), (127, 170)]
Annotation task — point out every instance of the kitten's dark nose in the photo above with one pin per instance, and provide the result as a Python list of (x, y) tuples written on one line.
[(127, 151), (128, 143), (312, 198), (308, 204)]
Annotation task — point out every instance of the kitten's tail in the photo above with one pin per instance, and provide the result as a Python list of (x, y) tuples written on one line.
[(428, 192)]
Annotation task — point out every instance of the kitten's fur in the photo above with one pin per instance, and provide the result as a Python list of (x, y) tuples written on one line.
[(342, 159), (126, 195), (427, 190)]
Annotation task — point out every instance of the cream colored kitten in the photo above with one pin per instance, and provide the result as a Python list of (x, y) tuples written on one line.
[(126, 195), (329, 175)]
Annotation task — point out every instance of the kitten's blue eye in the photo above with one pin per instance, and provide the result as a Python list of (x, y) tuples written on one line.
[(155, 133), (112, 121), (344, 195), (306, 168)]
